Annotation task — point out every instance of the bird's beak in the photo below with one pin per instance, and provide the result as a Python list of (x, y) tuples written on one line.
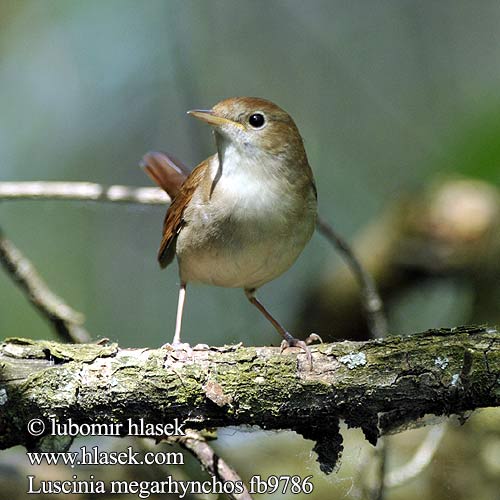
[(209, 116)]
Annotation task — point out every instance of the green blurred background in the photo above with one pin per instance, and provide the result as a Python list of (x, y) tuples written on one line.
[(386, 94)]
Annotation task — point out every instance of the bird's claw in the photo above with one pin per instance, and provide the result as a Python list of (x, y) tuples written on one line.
[(201, 347), (290, 341), (314, 337)]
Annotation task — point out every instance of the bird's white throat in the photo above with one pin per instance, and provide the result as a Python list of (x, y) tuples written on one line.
[(250, 181)]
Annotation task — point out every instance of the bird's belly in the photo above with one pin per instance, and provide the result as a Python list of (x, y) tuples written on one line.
[(244, 258)]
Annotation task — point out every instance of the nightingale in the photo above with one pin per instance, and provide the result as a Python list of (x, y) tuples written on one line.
[(242, 217)]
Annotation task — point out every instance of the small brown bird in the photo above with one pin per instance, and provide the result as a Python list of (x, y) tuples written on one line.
[(242, 217)]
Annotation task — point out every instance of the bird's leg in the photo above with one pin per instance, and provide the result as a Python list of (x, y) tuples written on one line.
[(180, 309), (288, 339), (176, 344)]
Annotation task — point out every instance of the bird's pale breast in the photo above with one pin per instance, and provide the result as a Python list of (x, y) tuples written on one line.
[(246, 233)]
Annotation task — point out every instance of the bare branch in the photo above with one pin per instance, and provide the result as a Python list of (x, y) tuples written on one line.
[(372, 302), (66, 321), (82, 191), (194, 442), (420, 460)]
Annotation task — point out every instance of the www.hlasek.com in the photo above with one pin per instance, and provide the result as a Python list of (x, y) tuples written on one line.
[(86, 456)]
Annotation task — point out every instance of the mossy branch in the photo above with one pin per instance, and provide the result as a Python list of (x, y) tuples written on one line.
[(381, 385)]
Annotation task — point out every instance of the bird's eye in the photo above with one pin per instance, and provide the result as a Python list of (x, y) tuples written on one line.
[(257, 120)]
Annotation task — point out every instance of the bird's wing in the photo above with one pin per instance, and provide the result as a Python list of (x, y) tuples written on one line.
[(168, 172), (174, 219)]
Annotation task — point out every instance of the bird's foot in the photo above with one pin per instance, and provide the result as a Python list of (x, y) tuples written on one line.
[(291, 341), (178, 350), (182, 350)]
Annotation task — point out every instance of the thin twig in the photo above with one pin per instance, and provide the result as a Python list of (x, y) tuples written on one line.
[(66, 321), (81, 191), (420, 460), (372, 302), (196, 444), (381, 454)]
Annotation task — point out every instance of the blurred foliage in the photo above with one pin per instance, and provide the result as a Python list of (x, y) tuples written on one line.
[(477, 150), (386, 94)]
